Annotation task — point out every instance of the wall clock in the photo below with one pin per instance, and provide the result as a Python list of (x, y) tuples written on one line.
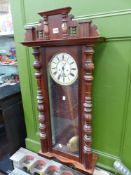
[(63, 51)]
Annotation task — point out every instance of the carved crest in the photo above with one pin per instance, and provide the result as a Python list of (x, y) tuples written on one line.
[(59, 24)]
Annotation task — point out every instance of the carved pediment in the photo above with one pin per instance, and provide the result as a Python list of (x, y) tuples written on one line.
[(59, 24)]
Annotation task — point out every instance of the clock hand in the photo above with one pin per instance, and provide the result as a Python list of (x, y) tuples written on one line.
[(63, 67), (59, 76), (62, 71), (63, 75)]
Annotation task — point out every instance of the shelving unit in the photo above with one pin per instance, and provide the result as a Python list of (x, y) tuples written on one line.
[(7, 68), (12, 127)]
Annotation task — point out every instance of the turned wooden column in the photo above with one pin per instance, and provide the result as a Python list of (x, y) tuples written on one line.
[(40, 100), (64, 26), (46, 28), (87, 106)]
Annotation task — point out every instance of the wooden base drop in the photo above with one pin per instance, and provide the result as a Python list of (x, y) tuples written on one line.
[(74, 164)]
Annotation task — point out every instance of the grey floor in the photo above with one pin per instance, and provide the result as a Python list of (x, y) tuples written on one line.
[(5, 162)]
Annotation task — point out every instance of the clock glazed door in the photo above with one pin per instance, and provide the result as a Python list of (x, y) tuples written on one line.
[(63, 82)]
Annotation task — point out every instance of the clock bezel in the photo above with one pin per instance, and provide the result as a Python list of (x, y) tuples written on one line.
[(51, 74)]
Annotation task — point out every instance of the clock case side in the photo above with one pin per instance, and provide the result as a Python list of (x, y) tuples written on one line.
[(84, 35)]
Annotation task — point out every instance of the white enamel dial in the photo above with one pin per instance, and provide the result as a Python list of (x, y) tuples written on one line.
[(63, 69)]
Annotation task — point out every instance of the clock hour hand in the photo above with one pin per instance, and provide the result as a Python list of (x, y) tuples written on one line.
[(63, 68), (63, 75), (59, 76)]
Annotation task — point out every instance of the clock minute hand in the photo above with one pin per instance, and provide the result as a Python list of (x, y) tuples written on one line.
[(63, 67), (61, 73)]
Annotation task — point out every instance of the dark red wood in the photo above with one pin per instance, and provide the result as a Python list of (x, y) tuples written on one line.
[(75, 52), (59, 42), (88, 68), (70, 162), (40, 100), (58, 24), (55, 33), (64, 10)]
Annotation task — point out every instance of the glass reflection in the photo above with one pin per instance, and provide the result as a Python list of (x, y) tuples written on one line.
[(64, 116)]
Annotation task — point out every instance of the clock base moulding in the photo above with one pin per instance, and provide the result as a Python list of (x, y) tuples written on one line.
[(74, 164)]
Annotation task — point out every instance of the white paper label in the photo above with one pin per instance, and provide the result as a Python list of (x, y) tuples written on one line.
[(55, 30), (63, 98)]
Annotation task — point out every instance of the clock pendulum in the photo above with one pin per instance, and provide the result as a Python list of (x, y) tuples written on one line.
[(63, 52)]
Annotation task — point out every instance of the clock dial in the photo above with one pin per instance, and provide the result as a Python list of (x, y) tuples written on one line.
[(63, 69)]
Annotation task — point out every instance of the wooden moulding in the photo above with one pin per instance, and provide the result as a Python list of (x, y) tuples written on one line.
[(57, 25), (67, 42), (74, 164)]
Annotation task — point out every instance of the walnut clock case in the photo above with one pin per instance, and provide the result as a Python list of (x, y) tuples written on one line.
[(63, 51)]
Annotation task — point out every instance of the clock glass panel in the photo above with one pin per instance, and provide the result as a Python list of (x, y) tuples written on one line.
[(63, 98)]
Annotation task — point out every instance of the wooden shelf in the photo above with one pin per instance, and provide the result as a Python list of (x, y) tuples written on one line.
[(8, 64), (5, 34)]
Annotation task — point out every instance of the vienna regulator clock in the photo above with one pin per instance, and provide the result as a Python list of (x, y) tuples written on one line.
[(63, 51)]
